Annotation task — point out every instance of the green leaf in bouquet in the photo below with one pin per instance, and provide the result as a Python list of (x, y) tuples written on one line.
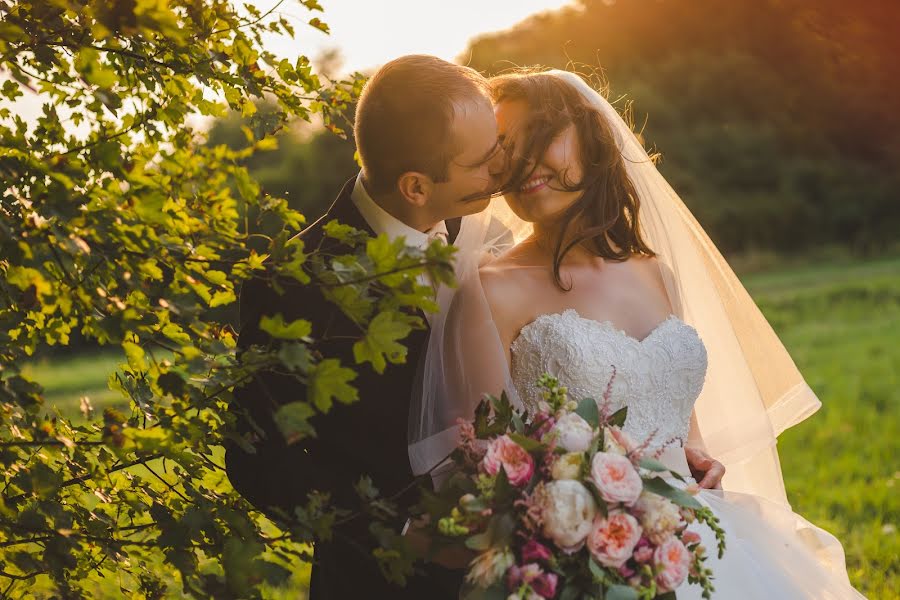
[(478, 542), (651, 464), (504, 492), (502, 528), (517, 423), (667, 596), (503, 412), (621, 592), (527, 443), (597, 572), (657, 485), (618, 417), (602, 506), (597, 443), (570, 592), (587, 410), (482, 412)]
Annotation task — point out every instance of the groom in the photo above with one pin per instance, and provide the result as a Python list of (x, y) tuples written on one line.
[(427, 140)]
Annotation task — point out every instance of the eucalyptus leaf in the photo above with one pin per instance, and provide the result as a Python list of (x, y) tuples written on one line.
[(657, 485)]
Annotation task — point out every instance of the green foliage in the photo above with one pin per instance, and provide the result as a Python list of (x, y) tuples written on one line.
[(135, 232)]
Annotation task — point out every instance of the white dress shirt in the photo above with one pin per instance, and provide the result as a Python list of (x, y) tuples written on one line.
[(381, 221)]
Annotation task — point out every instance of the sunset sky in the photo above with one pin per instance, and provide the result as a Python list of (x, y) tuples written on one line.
[(368, 34), (371, 33)]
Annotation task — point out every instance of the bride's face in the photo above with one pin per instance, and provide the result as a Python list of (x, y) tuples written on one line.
[(544, 197)]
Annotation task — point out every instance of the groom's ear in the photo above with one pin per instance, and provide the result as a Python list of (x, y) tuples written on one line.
[(415, 187)]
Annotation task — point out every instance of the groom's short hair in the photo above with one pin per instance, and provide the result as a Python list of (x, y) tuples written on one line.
[(405, 114)]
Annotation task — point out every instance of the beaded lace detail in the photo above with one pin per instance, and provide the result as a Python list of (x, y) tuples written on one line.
[(659, 377)]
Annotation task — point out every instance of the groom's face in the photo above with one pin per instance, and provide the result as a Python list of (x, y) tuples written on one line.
[(475, 172)]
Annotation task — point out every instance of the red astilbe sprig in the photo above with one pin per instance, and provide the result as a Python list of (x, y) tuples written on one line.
[(659, 451), (638, 452), (607, 393)]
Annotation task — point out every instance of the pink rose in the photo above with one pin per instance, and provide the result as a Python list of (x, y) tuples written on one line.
[(615, 478), (534, 551), (517, 463), (612, 539), (673, 560)]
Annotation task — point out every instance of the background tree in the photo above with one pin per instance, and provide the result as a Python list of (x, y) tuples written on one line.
[(120, 223)]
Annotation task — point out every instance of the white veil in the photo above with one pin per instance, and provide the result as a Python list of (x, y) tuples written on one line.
[(753, 390)]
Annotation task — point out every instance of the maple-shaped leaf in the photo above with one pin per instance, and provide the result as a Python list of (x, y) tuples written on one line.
[(328, 380), (381, 343), (276, 327), (292, 420)]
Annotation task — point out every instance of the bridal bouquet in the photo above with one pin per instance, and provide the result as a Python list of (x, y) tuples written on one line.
[(562, 504)]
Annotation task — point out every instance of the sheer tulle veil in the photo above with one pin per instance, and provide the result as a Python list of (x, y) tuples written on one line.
[(753, 390)]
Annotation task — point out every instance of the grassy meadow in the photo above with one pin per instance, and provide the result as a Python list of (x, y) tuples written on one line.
[(841, 323)]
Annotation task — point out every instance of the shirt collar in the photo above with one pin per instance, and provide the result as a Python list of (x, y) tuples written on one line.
[(382, 221)]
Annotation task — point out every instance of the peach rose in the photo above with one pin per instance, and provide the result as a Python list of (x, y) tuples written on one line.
[(615, 478), (612, 539), (516, 461), (674, 560)]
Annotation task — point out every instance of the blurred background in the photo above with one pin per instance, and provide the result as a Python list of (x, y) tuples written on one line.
[(778, 124)]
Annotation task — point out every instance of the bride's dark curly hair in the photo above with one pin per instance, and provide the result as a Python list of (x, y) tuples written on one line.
[(606, 213)]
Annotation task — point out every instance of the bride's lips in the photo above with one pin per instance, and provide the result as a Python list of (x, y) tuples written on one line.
[(535, 183)]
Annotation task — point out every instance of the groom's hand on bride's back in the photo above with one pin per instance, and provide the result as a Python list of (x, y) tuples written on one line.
[(705, 469)]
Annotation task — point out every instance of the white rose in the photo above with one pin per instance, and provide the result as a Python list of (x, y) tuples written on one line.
[(573, 433), (567, 511), (567, 466), (659, 517)]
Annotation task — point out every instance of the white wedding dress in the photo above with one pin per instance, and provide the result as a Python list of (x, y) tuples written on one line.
[(771, 553)]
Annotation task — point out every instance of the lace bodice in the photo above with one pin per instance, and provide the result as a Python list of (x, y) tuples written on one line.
[(659, 377)]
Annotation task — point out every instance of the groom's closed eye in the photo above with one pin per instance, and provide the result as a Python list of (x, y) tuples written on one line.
[(486, 157)]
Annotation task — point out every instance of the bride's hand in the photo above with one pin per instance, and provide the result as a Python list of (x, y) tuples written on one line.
[(706, 470)]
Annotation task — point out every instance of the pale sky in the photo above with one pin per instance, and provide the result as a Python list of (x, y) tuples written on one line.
[(372, 33), (369, 34)]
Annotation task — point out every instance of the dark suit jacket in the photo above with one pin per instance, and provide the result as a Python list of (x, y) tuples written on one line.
[(367, 437)]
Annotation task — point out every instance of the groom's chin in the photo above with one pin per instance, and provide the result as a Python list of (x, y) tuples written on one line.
[(476, 206)]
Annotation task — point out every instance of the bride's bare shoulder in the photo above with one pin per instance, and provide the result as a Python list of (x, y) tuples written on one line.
[(653, 270)]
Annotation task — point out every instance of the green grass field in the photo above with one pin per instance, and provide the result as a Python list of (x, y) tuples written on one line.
[(841, 323)]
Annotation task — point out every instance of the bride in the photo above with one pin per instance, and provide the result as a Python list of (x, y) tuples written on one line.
[(609, 271)]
